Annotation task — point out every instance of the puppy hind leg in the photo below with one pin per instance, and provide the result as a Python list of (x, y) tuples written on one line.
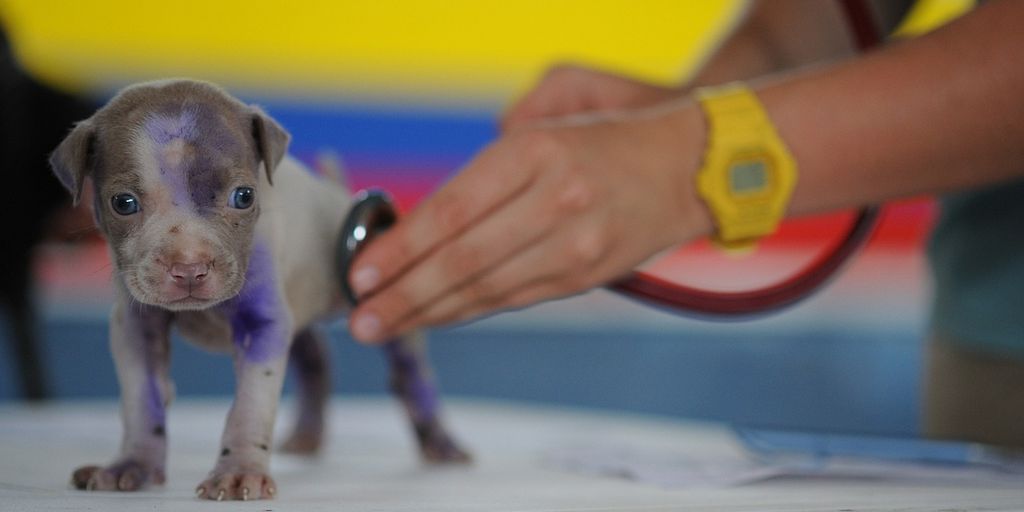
[(309, 359), (412, 382)]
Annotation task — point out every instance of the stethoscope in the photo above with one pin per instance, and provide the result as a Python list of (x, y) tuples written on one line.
[(373, 212)]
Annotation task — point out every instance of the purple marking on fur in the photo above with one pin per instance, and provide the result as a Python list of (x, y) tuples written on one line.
[(155, 410), (198, 178), (257, 314), (148, 325), (166, 128), (163, 130), (414, 386)]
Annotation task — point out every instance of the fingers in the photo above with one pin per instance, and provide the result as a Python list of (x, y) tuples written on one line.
[(511, 229), (528, 295), (563, 258), (486, 184), (542, 272)]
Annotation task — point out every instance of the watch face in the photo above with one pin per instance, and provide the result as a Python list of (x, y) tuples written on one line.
[(748, 177)]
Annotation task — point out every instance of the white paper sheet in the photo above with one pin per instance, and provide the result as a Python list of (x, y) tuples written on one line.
[(676, 470)]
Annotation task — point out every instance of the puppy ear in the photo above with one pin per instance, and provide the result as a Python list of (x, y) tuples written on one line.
[(73, 159), (271, 140)]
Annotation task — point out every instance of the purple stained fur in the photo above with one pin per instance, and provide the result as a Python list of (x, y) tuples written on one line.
[(163, 130), (149, 326), (166, 128), (410, 381), (257, 314), (197, 180), (155, 409)]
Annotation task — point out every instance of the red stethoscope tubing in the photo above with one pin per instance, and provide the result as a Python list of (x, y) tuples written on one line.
[(685, 299)]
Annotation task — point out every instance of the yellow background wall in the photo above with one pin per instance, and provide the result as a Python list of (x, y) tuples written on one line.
[(449, 51), (461, 50)]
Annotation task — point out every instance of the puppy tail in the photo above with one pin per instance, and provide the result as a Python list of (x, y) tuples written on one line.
[(329, 167)]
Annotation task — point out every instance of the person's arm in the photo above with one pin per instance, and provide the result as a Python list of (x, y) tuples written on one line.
[(555, 208), (929, 115), (778, 35), (768, 36)]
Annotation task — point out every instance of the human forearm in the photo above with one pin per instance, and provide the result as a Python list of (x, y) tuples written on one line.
[(776, 35), (934, 114), (769, 36)]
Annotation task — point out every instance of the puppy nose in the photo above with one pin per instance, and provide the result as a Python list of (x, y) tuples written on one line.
[(189, 273)]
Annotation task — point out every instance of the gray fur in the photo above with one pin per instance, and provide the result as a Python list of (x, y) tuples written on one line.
[(246, 281)]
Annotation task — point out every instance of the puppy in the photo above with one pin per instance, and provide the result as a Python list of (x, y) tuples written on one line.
[(214, 230)]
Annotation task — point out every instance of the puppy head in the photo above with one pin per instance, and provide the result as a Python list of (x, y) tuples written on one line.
[(176, 170)]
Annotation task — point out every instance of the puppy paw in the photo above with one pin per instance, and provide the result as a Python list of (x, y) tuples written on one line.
[(437, 447), (303, 442), (237, 485), (125, 475)]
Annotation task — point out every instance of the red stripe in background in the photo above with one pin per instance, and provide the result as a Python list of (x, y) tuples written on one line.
[(407, 191), (904, 224), (901, 234)]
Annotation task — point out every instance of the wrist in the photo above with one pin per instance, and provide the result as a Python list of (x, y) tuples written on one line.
[(747, 174), (689, 133)]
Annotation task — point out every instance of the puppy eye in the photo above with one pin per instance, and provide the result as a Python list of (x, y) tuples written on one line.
[(125, 204), (242, 197)]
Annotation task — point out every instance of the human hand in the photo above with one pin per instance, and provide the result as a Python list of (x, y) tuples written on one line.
[(570, 89), (544, 212)]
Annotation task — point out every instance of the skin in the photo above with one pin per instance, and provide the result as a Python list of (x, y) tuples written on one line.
[(220, 273), (594, 173)]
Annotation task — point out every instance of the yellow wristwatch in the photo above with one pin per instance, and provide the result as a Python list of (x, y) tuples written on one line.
[(748, 174)]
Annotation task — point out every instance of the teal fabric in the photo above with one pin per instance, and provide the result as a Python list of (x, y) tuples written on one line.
[(977, 259)]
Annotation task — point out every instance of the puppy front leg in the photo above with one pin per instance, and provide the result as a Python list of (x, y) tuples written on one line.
[(242, 469), (262, 329), (140, 346)]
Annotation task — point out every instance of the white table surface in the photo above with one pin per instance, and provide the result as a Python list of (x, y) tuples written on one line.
[(370, 465)]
